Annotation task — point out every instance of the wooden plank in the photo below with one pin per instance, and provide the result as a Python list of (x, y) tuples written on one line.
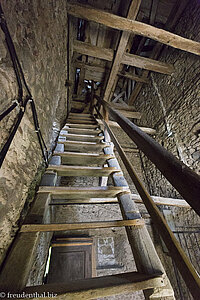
[(128, 59), (83, 146), (80, 226), (99, 287), (115, 124), (85, 126), (132, 13), (82, 158), (82, 131), (94, 51), (122, 106), (147, 64), (120, 23), (81, 115), (90, 201), (131, 114), (80, 193), (81, 121), (63, 170), (163, 201), (82, 137), (185, 267), (133, 77)]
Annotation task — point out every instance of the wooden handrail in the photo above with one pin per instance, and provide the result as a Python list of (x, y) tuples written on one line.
[(183, 179), (184, 265)]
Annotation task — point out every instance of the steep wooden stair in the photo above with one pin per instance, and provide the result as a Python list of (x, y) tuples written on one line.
[(82, 150)]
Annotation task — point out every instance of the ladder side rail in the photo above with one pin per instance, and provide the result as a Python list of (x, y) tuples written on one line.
[(184, 265)]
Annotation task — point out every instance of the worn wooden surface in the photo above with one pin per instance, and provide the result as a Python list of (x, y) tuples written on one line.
[(80, 226), (135, 27)]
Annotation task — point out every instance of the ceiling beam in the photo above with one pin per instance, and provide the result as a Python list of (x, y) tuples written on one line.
[(120, 23), (132, 13), (128, 59), (133, 77)]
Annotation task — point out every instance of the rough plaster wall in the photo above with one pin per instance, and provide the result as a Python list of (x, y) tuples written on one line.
[(39, 32)]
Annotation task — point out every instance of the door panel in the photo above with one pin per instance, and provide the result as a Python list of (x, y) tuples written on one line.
[(71, 259)]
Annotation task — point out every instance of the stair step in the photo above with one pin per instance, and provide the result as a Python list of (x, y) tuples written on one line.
[(81, 115), (82, 131), (63, 170), (99, 287), (79, 193), (90, 201), (82, 158), (77, 125), (80, 225), (82, 137), (83, 146), (80, 121)]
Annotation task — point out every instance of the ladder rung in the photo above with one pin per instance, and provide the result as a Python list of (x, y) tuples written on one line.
[(98, 287), (63, 170), (81, 121), (82, 131), (83, 158), (83, 146), (77, 125), (80, 115), (91, 201), (82, 137), (83, 192), (81, 225)]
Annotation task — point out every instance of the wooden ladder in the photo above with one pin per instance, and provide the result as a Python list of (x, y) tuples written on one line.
[(82, 143)]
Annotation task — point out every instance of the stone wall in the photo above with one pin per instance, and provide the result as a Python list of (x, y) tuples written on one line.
[(175, 102), (39, 32)]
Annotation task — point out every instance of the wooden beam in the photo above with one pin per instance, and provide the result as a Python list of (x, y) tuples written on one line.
[(72, 193), (80, 226), (147, 64), (133, 77), (131, 114), (94, 51), (132, 13), (150, 131), (128, 59), (63, 170), (120, 23), (163, 201), (104, 286), (123, 106)]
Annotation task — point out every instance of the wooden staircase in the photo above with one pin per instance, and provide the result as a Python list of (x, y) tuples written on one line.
[(82, 143)]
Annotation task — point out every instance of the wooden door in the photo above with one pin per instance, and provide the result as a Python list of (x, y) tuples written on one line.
[(71, 259)]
